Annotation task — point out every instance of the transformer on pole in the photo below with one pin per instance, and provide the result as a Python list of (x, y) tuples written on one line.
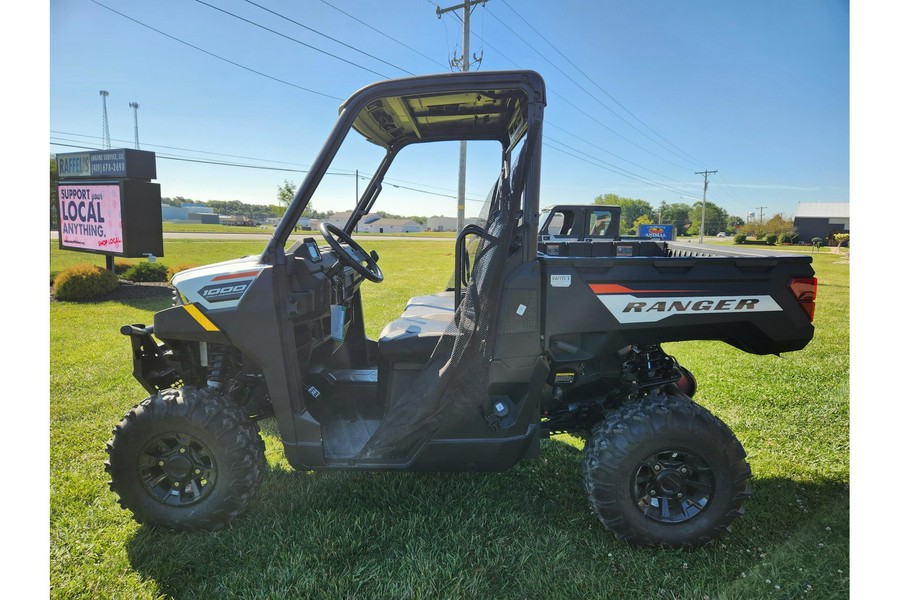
[(135, 106)]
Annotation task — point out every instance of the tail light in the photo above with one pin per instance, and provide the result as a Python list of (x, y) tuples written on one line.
[(804, 291)]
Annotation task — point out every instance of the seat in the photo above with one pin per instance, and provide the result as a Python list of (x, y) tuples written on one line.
[(440, 301), (413, 338)]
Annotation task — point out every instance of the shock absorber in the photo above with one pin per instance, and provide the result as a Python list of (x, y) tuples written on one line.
[(648, 366), (216, 368)]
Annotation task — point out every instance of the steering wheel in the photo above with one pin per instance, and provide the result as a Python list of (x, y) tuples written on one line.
[(362, 264)]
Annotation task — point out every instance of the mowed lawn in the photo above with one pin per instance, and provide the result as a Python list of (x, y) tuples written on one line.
[(525, 533)]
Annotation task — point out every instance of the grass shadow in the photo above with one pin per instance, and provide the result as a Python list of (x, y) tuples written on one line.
[(523, 533)]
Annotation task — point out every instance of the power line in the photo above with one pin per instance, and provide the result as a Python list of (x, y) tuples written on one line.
[(608, 95), (264, 168), (597, 100), (222, 58), (609, 166), (590, 143), (581, 110), (328, 37), (180, 148), (388, 180), (587, 114), (287, 37)]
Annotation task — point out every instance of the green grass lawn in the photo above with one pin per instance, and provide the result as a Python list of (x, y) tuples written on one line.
[(171, 227), (526, 533)]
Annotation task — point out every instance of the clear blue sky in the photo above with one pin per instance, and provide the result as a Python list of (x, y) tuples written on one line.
[(641, 94)]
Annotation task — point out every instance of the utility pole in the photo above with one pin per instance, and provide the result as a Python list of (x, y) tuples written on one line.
[(106, 142), (135, 106), (706, 175), (761, 212), (463, 65)]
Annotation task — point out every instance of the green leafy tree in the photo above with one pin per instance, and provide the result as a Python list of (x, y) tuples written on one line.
[(286, 193), (641, 220), (754, 229), (677, 214), (734, 223), (716, 218), (779, 225), (632, 208)]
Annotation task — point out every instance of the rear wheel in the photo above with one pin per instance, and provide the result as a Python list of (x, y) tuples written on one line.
[(185, 459), (662, 470)]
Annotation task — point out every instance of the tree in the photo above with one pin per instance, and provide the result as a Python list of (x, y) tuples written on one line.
[(286, 193), (716, 218), (632, 208), (734, 223), (755, 229), (641, 220), (779, 225), (677, 214), (54, 200)]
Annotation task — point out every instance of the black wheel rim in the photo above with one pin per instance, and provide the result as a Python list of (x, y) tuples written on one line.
[(177, 469), (673, 486)]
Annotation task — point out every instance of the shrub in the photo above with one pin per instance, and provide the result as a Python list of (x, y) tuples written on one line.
[(121, 267), (787, 238), (147, 271), (179, 268), (771, 239), (84, 281), (740, 238)]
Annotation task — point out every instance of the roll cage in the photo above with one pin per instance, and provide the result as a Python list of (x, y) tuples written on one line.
[(490, 105)]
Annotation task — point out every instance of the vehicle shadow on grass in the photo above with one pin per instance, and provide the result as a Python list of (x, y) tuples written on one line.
[(527, 532)]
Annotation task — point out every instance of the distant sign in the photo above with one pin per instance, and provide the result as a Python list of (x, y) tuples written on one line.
[(121, 163), (90, 218), (659, 232), (74, 165)]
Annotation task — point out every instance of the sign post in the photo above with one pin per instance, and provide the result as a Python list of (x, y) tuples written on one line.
[(108, 205)]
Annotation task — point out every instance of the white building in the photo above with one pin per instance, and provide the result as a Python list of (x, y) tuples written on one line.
[(441, 224), (389, 226)]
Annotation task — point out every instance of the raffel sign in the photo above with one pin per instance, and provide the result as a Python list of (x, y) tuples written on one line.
[(90, 217)]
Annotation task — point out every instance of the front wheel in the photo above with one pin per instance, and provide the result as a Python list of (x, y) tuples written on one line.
[(185, 459), (662, 470)]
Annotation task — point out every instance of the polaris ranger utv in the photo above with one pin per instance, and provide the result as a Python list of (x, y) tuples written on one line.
[(523, 346)]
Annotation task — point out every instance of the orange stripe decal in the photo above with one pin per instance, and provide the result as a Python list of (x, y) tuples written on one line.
[(615, 288), (237, 275), (610, 288)]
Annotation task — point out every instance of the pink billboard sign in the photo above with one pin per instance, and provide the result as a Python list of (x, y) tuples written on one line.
[(90, 217)]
